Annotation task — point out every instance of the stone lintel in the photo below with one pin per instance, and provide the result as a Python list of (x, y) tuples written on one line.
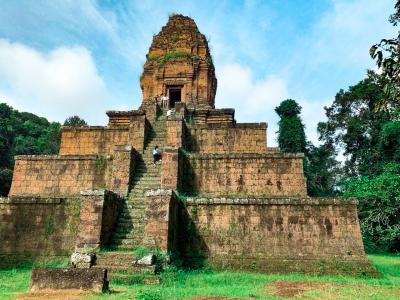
[(260, 125), (118, 113), (208, 156), (272, 201), (55, 157), (211, 111), (94, 128)]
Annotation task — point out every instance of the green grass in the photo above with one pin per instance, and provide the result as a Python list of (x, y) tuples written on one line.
[(14, 281), (186, 285)]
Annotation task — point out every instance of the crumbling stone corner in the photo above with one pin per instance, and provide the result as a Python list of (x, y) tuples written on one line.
[(122, 169), (98, 214), (160, 220)]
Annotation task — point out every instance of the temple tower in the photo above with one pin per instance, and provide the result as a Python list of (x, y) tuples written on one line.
[(179, 65)]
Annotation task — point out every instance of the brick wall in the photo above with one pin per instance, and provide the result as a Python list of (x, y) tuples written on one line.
[(255, 234), (175, 132), (170, 168), (227, 138), (98, 140), (51, 175), (121, 170), (273, 174), (48, 175), (98, 214), (92, 140), (160, 219), (38, 226)]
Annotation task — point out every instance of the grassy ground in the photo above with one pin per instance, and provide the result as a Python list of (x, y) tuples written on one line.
[(230, 285)]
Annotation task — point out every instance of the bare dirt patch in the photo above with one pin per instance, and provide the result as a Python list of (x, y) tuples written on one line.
[(53, 295), (294, 289)]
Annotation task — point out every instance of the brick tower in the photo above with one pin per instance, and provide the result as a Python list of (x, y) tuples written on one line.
[(179, 65)]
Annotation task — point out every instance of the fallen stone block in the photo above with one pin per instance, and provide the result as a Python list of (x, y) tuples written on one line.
[(82, 260), (92, 279), (147, 260)]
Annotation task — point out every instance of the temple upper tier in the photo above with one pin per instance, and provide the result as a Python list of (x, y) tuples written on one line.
[(179, 66)]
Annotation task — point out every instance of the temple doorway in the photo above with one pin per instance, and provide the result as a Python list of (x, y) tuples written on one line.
[(174, 95)]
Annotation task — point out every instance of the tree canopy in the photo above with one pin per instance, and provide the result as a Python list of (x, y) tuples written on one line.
[(75, 121), (23, 133), (291, 135)]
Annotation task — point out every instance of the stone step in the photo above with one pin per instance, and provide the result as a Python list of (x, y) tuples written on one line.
[(142, 187), (128, 268), (127, 243), (130, 215), (128, 225), (148, 169), (115, 256), (130, 219), (121, 236), (135, 200), (128, 235), (129, 222), (146, 179), (134, 205)]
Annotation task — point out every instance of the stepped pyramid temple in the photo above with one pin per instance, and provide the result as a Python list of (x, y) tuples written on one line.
[(219, 197)]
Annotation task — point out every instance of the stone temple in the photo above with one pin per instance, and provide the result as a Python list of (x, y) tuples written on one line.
[(220, 195)]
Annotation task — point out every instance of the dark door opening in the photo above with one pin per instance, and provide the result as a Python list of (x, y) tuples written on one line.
[(174, 96)]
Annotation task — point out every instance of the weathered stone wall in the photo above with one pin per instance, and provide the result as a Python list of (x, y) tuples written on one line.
[(121, 170), (98, 140), (38, 226), (175, 132), (50, 175), (267, 234), (65, 176), (273, 174), (227, 138), (162, 208), (94, 140), (170, 168), (98, 214)]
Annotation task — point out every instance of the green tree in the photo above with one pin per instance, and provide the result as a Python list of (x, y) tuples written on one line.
[(291, 136), (23, 133), (387, 56), (321, 170), (75, 121), (379, 207), (319, 163), (355, 124)]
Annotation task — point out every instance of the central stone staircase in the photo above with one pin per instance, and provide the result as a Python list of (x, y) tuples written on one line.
[(129, 230)]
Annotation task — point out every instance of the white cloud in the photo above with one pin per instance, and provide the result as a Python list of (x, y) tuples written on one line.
[(345, 33), (253, 100), (312, 113), (56, 85)]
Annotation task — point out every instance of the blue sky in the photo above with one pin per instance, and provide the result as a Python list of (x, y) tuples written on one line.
[(59, 58)]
